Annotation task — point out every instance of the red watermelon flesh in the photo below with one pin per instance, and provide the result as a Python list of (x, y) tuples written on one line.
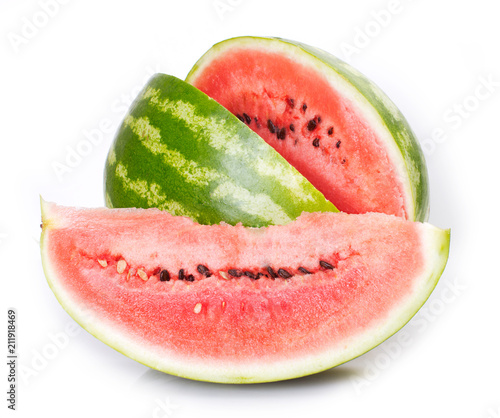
[(306, 109), (233, 304)]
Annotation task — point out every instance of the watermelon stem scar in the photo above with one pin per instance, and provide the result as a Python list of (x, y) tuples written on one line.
[(235, 304)]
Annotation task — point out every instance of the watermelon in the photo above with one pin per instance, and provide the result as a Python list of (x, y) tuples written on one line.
[(181, 151), (325, 118), (233, 304)]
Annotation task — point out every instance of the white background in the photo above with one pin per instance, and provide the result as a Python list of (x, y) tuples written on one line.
[(70, 72)]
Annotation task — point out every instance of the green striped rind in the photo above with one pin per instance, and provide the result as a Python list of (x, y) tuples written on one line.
[(381, 112), (179, 150)]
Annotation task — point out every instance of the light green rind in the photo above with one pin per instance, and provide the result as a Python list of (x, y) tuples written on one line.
[(179, 150), (399, 139)]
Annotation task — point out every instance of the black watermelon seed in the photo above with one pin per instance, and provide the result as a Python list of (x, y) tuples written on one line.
[(248, 119), (304, 107), (281, 133), (326, 265), (271, 272), (235, 273), (304, 270), (316, 142), (181, 274), (203, 270), (330, 131), (292, 128), (291, 102), (343, 161), (283, 273), (270, 126), (319, 119), (190, 278), (311, 125), (337, 144), (259, 275), (240, 118), (164, 276), (249, 274)]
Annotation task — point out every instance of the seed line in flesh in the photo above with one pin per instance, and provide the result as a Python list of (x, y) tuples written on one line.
[(183, 275)]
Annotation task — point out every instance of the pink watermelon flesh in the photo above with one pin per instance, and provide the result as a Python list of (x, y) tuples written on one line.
[(368, 275), (296, 110)]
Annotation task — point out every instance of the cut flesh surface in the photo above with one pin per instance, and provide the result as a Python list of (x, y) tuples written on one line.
[(236, 304), (330, 122)]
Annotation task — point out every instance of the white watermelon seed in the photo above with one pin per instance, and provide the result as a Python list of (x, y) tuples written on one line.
[(197, 308), (121, 266), (103, 263), (142, 274)]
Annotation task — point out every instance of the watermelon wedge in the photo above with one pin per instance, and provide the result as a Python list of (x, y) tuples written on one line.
[(232, 304), (329, 121), (181, 151)]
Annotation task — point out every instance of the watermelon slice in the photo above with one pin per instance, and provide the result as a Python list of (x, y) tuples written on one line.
[(232, 304), (329, 121)]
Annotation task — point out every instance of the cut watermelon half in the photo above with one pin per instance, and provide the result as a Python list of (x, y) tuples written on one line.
[(232, 304), (330, 122)]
